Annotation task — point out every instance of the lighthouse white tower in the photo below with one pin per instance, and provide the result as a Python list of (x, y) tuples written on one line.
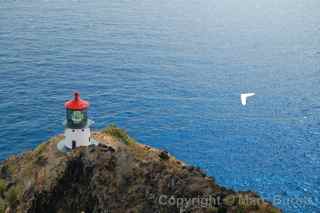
[(77, 124)]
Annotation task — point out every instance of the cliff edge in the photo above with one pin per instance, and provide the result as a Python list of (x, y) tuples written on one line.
[(117, 176)]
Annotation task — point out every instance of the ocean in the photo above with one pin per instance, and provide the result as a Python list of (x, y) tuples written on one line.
[(171, 73)]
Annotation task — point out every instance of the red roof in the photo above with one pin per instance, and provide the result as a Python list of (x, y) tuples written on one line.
[(77, 103)]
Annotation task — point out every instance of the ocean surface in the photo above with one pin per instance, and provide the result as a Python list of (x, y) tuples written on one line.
[(171, 73)]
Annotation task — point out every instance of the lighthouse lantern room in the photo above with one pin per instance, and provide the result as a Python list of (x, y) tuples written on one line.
[(77, 124)]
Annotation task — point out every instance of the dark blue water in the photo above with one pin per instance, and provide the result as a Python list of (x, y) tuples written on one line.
[(171, 73)]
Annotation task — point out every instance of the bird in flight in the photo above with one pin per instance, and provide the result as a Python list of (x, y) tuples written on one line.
[(244, 97)]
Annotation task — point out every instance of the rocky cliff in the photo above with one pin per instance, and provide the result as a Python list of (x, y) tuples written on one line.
[(117, 176)]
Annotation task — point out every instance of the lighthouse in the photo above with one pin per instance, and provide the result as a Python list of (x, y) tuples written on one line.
[(77, 124)]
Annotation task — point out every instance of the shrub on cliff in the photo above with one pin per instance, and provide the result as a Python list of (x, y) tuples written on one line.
[(12, 195), (119, 134), (2, 186)]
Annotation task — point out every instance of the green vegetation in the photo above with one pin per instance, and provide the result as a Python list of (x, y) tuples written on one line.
[(164, 155), (273, 210), (40, 148), (41, 160), (241, 210), (12, 195), (119, 133), (213, 210), (3, 206), (10, 168), (2, 186)]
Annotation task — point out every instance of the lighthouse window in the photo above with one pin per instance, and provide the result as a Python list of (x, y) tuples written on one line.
[(77, 117)]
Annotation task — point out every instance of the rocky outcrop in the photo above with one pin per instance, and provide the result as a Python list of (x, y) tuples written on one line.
[(118, 176)]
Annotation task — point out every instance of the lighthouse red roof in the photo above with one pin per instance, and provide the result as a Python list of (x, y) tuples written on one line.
[(77, 103)]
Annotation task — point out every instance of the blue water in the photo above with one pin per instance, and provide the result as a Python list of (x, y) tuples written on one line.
[(171, 73)]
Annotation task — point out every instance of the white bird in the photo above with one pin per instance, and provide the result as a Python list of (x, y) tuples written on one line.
[(244, 97)]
